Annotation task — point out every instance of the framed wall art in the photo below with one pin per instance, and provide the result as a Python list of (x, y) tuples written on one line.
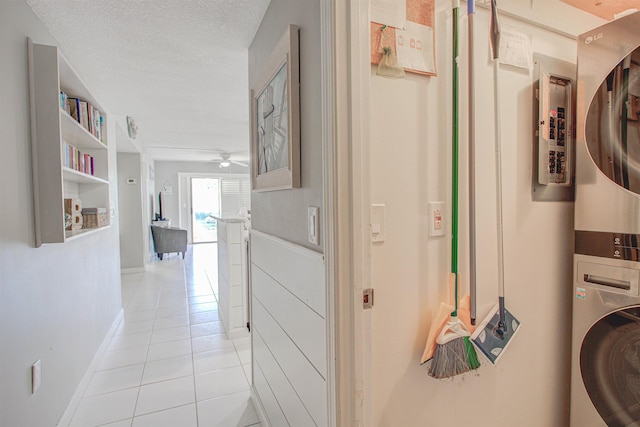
[(275, 118)]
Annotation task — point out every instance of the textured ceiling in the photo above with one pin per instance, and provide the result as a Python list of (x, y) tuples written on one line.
[(178, 67)]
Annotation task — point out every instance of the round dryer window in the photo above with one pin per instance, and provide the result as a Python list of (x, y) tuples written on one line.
[(612, 125), (610, 366)]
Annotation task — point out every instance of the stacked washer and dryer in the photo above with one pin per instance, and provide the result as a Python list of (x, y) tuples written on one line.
[(605, 373)]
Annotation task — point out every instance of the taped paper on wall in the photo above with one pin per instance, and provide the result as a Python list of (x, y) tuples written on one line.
[(414, 47), (515, 48), (389, 12)]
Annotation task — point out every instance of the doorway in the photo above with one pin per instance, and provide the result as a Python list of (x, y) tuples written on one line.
[(205, 205)]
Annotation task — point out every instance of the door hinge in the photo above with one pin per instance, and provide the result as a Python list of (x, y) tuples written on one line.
[(367, 299)]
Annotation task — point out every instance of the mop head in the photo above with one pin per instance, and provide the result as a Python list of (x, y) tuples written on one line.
[(487, 338), (454, 354)]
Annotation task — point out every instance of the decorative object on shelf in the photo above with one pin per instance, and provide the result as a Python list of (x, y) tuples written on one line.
[(132, 128), (73, 208), (275, 118), (95, 217)]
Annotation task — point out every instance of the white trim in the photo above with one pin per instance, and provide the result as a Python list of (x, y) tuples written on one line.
[(352, 184), (329, 202), (257, 404), (65, 420)]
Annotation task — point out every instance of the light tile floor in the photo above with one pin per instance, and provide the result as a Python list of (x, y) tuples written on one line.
[(169, 362)]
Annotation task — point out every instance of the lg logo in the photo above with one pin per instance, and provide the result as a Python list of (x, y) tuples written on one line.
[(591, 39)]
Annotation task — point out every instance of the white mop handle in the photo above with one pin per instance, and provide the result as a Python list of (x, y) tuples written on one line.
[(498, 147), (455, 4)]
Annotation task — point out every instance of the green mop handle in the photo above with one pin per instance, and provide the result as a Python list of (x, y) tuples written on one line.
[(454, 184)]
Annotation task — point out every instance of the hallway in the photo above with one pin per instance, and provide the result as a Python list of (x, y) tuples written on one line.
[(169, 362)]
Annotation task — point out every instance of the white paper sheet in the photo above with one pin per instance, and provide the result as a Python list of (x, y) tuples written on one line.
[(515, 48), (414, 47), (389, 12)]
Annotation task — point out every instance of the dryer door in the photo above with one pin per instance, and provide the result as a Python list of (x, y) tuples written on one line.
[(612, 124), (610, 366)]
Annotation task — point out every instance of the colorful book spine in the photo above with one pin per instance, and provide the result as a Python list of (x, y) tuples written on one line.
[(84, 114), (73, 106)]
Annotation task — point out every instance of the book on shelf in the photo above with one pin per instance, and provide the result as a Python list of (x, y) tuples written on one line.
[(64, 101), (83, 113), (74, 107), (78, 161)]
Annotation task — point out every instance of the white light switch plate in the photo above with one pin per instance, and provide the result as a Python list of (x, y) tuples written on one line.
[(314, 228), (378, 222), (36, 376)]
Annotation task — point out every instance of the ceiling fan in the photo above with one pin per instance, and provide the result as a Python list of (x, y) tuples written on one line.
[(225, 161)]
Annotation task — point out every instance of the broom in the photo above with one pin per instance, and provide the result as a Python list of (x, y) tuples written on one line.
[(454, 353)]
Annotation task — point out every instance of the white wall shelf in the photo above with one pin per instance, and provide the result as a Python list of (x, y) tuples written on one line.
[(51, 129), (73, 175), (74, 134)]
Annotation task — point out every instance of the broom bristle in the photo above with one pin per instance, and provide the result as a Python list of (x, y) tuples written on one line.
[(453, 358)]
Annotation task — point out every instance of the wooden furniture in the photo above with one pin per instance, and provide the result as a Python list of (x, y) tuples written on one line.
[(167, 240), (232, 283), (53, 132)]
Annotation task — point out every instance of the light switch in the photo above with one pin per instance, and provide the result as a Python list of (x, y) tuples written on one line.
[(377, 222), (314, 228)]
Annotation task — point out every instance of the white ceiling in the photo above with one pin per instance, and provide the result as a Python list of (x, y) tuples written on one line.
[(178, 67)]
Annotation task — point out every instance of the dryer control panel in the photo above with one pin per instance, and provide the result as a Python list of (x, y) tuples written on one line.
[(608, 245)]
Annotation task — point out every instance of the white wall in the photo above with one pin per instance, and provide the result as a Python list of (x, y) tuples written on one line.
[(133, 227), (410, 166), (57, 302)]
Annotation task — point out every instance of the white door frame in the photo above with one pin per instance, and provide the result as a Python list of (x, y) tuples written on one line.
[(347, 188)]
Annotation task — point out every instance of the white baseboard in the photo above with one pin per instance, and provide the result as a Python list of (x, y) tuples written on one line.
[(132, 270), (65, 420), (257, 405)]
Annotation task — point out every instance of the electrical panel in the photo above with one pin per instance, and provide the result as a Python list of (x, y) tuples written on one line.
[(554, 129)]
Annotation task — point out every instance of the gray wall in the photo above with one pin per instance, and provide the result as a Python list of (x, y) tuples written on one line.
[(132, 228), (284, 213), (57, 302)]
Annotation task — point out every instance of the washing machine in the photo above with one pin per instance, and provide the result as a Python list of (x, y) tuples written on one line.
[(605, 371)]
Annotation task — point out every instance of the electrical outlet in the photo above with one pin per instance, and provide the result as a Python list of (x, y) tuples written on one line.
[(437, 225), (36, 376)]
